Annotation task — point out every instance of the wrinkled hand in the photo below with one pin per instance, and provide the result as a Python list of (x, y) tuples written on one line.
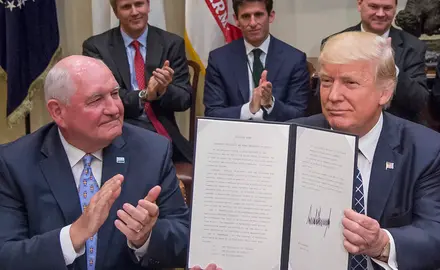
[(266, 90), (137, 222), (211, 266), (96, 212), (363, 234)]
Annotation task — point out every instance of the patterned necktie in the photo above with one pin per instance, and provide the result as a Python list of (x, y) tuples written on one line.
[(358, 262), (87, 188), (257, 68), (139, 67)]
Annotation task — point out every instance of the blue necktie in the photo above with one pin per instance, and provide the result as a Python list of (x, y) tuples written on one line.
[(358, 262), (87, 188)]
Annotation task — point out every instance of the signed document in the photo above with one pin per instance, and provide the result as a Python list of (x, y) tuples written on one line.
[(323, 188), (269, 195)]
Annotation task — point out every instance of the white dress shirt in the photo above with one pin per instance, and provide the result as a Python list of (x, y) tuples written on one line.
[(75, 157), (367, 148), (245, 113)]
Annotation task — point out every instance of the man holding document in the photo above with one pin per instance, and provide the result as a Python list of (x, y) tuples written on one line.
[(398, 161), (356, 189)]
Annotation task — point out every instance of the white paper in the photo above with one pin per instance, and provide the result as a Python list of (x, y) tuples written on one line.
[(238, 194), (323, 187)]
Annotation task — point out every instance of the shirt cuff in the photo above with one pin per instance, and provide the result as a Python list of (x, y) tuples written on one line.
[(268, 111), (67, 248), (140, 252), (392, 258), (246, 114)]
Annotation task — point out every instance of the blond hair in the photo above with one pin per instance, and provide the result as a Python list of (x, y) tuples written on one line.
[(349, 47)]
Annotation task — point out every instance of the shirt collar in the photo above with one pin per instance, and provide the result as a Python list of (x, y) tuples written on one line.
[(264, 46), (385, 35), (74, 154), (368, 142), (142, 38)]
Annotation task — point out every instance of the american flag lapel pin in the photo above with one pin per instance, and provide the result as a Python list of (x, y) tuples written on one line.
[(120, 160), (389, 165)]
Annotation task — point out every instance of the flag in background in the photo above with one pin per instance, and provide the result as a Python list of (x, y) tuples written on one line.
[(103, 17), (208, 25), (29, 47)]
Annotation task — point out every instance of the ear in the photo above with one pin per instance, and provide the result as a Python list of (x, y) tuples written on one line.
[(56, 110), (271, 16), (236, 21), (359, 4), (386, 95), (149, 6)]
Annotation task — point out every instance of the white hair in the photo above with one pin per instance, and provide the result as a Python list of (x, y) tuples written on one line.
[(348, 47), (59, 85)]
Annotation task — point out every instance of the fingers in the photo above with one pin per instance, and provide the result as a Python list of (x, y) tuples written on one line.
[(355, 239), (350, 248), (151, 208), (166, 64), (129, 233), (153, 194), (365, 221), (129, 218), (263, 77), (212, 266), (163, 76)]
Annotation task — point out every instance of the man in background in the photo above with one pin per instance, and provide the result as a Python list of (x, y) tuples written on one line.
[(151, 68), (412, 92), (257, 77), (87, 191)]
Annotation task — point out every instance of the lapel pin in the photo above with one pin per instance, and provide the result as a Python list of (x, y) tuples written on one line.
[(120, 160), (389, 165)]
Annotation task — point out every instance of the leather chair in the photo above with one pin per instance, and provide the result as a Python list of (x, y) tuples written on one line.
[(184, 170)]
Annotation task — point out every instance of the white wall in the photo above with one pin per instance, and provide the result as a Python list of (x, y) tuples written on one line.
[(304, 23)]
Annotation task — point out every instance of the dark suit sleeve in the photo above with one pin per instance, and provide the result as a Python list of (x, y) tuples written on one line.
[(214, 95), (418, 244), (132, 106), (412, 90), (436, 91), (170, 236), (17, 250), (298, 94), (179, 91)]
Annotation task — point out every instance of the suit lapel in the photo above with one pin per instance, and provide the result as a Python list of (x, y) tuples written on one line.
[(240, 67), (119, 53), (396, 42), (58, 174), (274, 59), (154, 52), (115, 161), (382, 178)]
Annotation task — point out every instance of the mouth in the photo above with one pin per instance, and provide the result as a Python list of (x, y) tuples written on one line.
[(337, 112), (114, 121)]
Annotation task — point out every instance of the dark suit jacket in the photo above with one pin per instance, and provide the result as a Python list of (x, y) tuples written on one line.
[(227, 81), (161, 45), (38, 197), (412, 93), (406, 199), (436, 93)]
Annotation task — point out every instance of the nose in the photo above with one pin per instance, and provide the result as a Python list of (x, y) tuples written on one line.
[(134, 10), (253, 21), (380, 12), (111, 107), (335, 94)]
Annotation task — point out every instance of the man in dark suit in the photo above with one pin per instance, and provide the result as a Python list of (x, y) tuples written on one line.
[(151, 67), (256, 77), (89, 192), (412, 91), (396, 221)]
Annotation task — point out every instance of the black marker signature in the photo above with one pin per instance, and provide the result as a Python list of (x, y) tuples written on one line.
[(316, 220)]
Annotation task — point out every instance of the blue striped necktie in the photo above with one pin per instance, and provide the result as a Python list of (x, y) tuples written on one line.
[(87, 188), (358, 262)]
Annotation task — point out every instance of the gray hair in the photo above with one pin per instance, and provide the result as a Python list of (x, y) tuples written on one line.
[(59, 85), (348, 47)]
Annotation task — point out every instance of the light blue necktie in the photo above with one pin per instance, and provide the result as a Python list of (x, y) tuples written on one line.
[(358, 262), (87, 188)]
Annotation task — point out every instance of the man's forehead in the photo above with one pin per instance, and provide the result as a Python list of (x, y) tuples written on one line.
[(352, 69)]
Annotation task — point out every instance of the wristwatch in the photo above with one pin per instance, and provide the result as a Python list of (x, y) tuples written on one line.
[(385, 254), (143, 94)]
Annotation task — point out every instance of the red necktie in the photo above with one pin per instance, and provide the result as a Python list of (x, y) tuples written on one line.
[(139, 67)]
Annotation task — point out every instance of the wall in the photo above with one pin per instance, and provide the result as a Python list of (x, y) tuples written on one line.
[(301, 23)]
